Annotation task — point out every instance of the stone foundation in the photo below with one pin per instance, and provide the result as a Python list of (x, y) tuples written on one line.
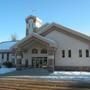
[(71, 68), (59, 68)]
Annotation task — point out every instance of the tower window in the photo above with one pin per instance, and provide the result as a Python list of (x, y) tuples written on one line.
[(69, 53), (63, 53), (80, 53), (87, 53), (27, 32)]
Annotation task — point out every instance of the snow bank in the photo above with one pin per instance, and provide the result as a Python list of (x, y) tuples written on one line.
[(6, 70), (71, 73)]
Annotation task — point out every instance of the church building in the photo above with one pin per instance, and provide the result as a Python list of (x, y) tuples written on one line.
[(52, 46)]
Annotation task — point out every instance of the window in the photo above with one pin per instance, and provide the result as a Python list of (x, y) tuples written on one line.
[(44, 51), (87, 53), (80, 53), (19, 61), (7, 56), (2, 55), (63, 53), (34, 51), (69, 53)]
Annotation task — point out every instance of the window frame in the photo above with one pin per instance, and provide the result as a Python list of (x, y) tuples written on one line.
[(80, 53), (87, 53), (63, 53), (69, 53), (34, 52), (44, 51)]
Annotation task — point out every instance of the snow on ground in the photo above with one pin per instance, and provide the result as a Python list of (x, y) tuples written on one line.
[(44, 74), (6, 70), (71, 73)]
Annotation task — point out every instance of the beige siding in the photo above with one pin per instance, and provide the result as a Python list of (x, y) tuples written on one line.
[(66, 42)]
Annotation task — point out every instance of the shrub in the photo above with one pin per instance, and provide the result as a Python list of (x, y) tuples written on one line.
[(8, 64)]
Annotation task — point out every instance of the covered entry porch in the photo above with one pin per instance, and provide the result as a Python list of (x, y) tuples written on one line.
[(36, 52)]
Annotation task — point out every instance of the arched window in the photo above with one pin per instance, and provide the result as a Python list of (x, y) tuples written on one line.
[(34, 51), (44, 51)]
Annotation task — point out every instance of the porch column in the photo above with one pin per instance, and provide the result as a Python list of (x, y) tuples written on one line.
[(18, 60), (51, 57)]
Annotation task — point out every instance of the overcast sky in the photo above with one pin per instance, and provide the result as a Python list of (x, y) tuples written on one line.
[(74, 14)]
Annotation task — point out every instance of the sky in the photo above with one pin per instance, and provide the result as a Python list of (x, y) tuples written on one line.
[(74, 14)]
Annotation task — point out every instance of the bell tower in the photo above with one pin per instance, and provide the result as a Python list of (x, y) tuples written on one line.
[(32, 24)]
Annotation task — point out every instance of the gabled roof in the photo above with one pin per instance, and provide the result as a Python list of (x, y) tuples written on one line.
[(52, 43), (41, 32)]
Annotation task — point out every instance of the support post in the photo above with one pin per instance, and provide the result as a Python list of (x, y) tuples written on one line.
[(51, 57), (18, 60)]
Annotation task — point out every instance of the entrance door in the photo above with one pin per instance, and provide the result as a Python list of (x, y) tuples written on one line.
[(39, 62), (26, 63), (34, 62)]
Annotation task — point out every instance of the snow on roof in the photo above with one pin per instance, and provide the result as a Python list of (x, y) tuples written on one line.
[(7, 45)]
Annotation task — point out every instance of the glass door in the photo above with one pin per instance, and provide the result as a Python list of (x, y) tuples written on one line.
[(39, 62), (33, 62), (44, 62)]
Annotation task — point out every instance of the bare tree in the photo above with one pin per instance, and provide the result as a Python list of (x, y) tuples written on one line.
[(13, 37)]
